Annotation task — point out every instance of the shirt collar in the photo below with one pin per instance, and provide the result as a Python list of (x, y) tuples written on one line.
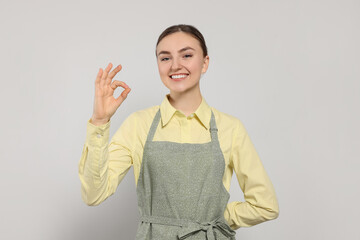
[(203, 112)]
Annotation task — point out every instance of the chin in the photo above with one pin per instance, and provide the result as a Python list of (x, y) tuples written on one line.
[(178, 87), (177, 90)]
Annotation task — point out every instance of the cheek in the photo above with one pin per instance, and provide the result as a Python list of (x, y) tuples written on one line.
[(196, 67), (163, 69)]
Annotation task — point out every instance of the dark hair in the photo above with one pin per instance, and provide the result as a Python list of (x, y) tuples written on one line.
[(193, 31)]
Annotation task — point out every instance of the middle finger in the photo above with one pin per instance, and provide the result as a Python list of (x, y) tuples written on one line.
[(113, 73)]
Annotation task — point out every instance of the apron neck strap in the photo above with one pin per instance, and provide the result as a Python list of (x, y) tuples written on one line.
[(213, 128), (154, 125)]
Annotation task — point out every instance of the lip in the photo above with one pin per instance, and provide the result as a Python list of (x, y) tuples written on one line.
[(178, 79)]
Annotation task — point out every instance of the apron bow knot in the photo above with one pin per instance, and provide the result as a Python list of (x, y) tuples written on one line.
[(208, 227)]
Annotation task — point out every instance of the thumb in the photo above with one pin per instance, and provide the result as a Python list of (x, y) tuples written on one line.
[(122, 96)]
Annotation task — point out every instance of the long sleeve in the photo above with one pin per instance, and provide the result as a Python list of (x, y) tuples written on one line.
[(103, 165), (260, 200)]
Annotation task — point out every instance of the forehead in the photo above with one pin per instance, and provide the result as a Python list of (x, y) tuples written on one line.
[(177, 41)]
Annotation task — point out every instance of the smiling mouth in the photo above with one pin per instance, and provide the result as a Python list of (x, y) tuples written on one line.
[(178, 76)]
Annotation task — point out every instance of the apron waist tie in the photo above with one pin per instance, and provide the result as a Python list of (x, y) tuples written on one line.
[(190, 227)]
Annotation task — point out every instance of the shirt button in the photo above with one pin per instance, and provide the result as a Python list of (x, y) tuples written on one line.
[(98, 135), (191, 115)]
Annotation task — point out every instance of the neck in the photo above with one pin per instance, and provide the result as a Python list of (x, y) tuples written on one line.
[(187, 102)]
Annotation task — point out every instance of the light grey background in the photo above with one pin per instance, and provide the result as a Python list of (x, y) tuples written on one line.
[(289, 70)]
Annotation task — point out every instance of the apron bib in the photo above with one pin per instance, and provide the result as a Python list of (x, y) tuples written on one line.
[(180, 191)]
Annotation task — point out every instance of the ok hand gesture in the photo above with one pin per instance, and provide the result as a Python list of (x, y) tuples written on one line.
[(105, 105)]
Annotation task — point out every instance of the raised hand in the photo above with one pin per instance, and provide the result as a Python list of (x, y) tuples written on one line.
[(105, 105)]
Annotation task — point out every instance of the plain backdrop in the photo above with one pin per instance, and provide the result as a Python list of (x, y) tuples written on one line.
[(289, 70)]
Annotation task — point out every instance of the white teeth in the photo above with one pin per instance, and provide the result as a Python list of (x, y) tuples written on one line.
[(178, 76)]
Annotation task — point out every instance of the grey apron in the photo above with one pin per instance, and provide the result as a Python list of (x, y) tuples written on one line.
[(180, 190)]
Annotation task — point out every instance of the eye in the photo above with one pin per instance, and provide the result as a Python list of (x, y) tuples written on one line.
[(188, 55), (164, 59)]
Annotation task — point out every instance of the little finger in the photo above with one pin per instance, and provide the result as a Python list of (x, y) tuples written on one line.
[(98, 77)]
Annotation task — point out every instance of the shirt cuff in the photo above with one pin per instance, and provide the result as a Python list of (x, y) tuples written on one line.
[(97, 135)]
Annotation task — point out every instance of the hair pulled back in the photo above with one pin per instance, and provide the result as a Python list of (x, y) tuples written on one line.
[(193, 31)]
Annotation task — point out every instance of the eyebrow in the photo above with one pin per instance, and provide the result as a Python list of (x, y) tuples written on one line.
[(181, 50)]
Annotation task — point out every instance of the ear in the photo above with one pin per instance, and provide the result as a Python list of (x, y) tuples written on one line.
[(205, 64)]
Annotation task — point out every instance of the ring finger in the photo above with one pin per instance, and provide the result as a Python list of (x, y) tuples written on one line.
[(105, 74), (113, 73)]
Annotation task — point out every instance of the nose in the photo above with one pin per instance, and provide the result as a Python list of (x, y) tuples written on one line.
[(176, 65)]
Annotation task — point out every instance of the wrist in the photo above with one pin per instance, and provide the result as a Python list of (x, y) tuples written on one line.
[(99, 122)]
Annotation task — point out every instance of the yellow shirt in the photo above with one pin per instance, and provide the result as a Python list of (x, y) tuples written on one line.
[(104, 164)]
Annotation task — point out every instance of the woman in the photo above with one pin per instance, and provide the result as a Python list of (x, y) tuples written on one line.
[(183, 152)]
